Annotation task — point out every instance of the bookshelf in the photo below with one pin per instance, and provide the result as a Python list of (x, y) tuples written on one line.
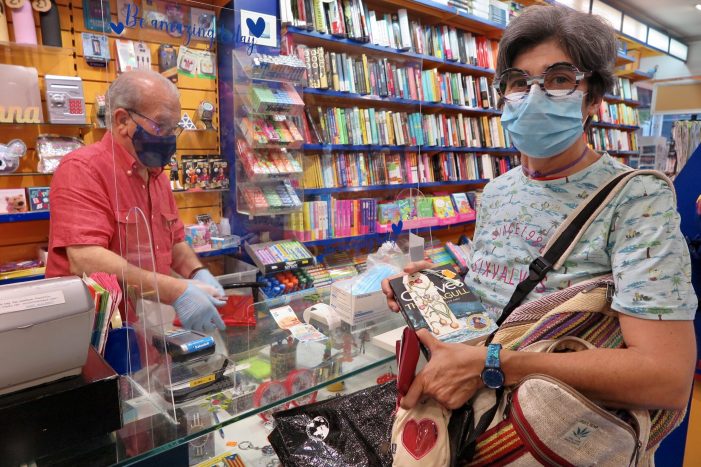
[(409, 148), (399, 186)]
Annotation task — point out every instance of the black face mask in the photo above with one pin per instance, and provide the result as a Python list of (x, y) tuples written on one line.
[(153, 151)]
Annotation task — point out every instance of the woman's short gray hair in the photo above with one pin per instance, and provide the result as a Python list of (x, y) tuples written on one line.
[(127, 91), (588, 39)]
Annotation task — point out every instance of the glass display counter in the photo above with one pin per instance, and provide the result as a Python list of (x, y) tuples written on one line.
[(223, 401)]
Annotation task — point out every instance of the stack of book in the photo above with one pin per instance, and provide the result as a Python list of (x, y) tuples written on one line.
[(361, 126)]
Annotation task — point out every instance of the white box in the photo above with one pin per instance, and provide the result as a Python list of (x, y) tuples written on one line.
[(45, 330), (358, 308)]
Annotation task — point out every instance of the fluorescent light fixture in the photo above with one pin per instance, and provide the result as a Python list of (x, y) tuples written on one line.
[(657, 40), (608, 12), (580, 5), (677, 49), (634, 28)]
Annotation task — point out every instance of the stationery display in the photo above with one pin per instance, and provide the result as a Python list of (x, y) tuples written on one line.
[(286, 282), (142, 52), (65, 101), (126, 55), (438, 300), (19, 269), (107, 296), (195, 63), (268, 129), (279, 256)]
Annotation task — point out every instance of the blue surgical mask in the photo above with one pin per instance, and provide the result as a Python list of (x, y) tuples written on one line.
[(153, 151), (541, 126)]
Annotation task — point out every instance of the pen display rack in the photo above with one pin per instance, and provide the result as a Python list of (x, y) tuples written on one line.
[(268, 114), (279, 256)]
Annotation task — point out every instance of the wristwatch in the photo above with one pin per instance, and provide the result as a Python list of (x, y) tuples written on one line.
[(492, 376)]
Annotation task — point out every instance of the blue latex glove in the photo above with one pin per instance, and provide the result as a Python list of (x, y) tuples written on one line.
[(203, 275), (196, 310)]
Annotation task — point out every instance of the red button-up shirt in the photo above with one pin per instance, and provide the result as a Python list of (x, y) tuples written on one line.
[(97, 198)]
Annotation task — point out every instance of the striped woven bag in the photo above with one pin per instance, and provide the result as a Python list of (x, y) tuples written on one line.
[(580, 312)]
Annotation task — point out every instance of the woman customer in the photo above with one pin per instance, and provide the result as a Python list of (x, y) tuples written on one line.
[(553, 69)]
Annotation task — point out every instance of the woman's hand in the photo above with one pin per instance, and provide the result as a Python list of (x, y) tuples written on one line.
[(408, 269), (451, 377)]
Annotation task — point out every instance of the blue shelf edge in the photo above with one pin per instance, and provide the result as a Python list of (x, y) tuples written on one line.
[(331, 241), (388, 50), (220, 252), (399, 186), (398, 100), (373, 147), (620, 100), (24, 216), (17, 280)]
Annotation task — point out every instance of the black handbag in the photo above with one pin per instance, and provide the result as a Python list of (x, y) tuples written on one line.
[(344, 431)]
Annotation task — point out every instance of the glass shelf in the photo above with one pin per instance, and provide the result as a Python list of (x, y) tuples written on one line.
[(11, 50), (266, 356)]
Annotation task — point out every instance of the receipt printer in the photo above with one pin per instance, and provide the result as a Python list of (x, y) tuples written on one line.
[(45, 330)]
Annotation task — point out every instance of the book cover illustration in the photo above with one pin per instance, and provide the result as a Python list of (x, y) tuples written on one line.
[(437, 300)]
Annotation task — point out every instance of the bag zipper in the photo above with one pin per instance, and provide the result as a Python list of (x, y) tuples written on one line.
[(589, 404)]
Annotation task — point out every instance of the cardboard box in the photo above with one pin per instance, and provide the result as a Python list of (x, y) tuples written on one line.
[(354, 309)]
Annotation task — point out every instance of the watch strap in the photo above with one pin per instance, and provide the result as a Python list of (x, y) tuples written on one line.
[(493, 360)]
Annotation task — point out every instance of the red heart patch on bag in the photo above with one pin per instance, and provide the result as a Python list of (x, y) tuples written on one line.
[(419, 437)]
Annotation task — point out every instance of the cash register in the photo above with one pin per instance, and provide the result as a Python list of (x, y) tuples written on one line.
[(45, 330)]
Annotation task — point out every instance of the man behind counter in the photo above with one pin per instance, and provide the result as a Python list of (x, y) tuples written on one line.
[(95, 187)]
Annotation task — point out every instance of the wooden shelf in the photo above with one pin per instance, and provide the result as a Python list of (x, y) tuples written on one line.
[(24, 217), (619, 100)]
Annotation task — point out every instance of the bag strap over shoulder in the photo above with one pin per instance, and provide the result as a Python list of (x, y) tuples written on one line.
[(568, 234)]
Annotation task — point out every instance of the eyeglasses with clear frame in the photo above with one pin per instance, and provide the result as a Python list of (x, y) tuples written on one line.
[(158, 130), (558, 80)]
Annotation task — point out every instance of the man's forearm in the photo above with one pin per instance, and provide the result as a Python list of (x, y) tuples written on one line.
[(89, 258), (184, 259)]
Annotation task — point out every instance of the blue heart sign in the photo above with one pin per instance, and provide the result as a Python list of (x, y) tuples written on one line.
[(256, 28), (117, 28), (397, 228)]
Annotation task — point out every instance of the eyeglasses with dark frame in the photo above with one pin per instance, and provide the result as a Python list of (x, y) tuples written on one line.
[(158, 130), (558, 80)]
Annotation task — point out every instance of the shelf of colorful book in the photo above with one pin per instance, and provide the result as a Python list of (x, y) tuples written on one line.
[(399, 186), (314, 38), (384, 101), (616, 126), (380, 235), (16, 280), (24, 217), (619, 100), (378, 148)]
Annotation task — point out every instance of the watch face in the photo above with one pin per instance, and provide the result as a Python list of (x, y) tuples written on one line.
[(493, 378)]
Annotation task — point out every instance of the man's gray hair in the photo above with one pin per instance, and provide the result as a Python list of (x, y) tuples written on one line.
[(588, 39), (128, 91)]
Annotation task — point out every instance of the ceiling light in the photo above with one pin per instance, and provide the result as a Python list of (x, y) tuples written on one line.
[(698, 6)]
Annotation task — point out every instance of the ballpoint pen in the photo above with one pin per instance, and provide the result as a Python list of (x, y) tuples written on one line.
[(216, 419)]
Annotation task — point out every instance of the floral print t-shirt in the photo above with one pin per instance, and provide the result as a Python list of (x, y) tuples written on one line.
[(636, 236)]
